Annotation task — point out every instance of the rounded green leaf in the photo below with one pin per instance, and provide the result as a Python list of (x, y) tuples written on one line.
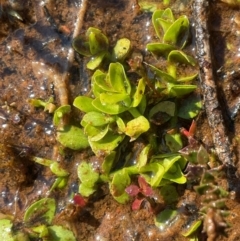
[(98, 42), (118, 78), (97, 118), (59, 233), (114, 98), (42, 210), (88, 177), (72, 137), (161, 75), (190, 107), (121, 49), (177, 34), (113, 109), (193, 227), (136, 127), (58, 170), (174, 142), (180, 90), (60, 112), (118, 185), (84, 104), (108, 143), (138, 95), (180, 57), (108, 162), (95, 61), (157, 171), (6, 230), (174, 174), (102, 132), (81, 46), (164, 218), (160, 48), (163, 106)]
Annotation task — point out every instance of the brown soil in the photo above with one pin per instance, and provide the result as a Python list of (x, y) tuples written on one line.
[(33, 51)]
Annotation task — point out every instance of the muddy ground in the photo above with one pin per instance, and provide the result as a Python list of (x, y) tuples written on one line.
[(36, 49)]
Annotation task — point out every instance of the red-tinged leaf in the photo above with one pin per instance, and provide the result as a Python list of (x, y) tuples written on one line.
[(132, 190), (78, 200), (137, 204), (192, 128), (145, 187), (184, 132)]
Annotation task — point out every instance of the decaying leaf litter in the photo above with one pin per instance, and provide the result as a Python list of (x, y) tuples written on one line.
[(35, 127)]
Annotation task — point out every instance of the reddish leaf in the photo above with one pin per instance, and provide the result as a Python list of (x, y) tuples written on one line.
[(78, 200), (192, 128), (132, 190), (145, 187), (137, 204)]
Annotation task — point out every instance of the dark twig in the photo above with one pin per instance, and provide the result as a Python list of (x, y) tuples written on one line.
[(209, 89)]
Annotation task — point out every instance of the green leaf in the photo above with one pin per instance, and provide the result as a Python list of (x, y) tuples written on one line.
[(100, 77), (108, 162), (156, 171), (177, 34), (161, 75), (88, 177), (114, 98), (113, 109), (168, 161), (165, 15), (101, 132), (84, 104), (121, 125), (156, 15), (175, 174), (43, 210), (59, 233), (118, 78), (81, 46), (58, 170), (180, 90), (165, 24), (187, 78), (136, 127), (42, 231), (160, 48), (95, 61), (118, 185), (147, 6), (121, 49), (138, 95), (98, 42), (87, 174), (72, 137), (167, 107), (180, 57), (174, 142), (97, 118), (42, 161), (143, 156), (190, 107), (193, 227), (6, 230), (85, 190), (106, 144), (59, 113), (166, 217)]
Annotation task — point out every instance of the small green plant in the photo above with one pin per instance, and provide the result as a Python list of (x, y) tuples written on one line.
[(119, 111)]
